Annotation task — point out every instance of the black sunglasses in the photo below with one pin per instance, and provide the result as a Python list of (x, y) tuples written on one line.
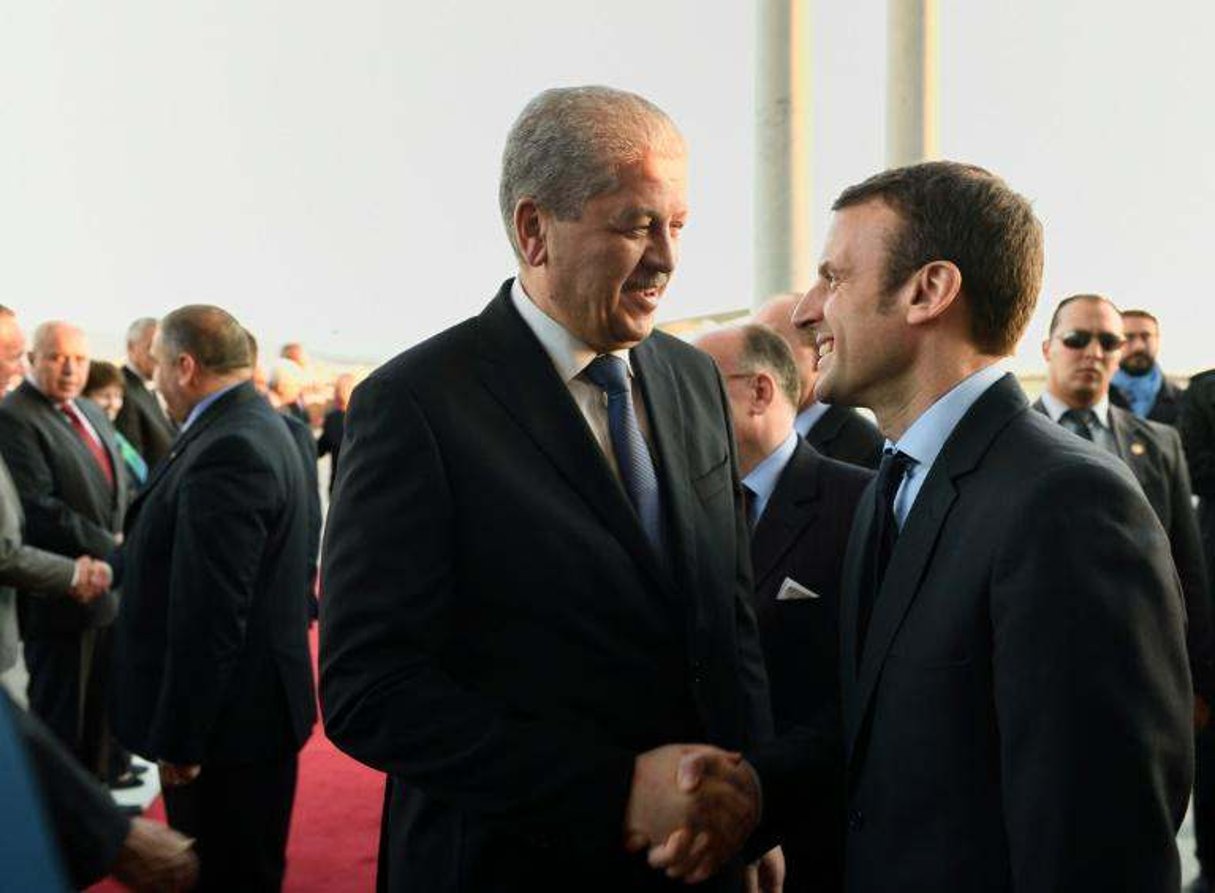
[(1079, 339)]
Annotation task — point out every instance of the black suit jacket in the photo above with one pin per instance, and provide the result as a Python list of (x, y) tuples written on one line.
[(330, 441), (1154, 454), (802, 536), (70, 508), (497, 632), (305, 447), (846, 435), (211, 653), (1020, 717), (1167, 407), (141, 420)]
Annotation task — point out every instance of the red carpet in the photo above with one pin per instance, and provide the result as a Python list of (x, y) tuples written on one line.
[(335, 826)]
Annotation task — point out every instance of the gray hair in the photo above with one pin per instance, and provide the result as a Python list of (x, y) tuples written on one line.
[(763, 350), (138, 329), (568, 143), (210, 334)]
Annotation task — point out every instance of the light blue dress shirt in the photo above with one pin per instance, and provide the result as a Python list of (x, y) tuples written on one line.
[(763, 477), (201, 406), (807, 417), (926, 437)]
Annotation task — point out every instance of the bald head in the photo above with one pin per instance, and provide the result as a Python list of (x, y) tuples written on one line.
[(59, 360), (777, 313)]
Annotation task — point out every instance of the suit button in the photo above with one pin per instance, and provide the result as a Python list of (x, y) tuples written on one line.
[(856, 820)]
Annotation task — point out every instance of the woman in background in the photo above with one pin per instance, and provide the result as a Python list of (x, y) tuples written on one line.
[(105, 388)]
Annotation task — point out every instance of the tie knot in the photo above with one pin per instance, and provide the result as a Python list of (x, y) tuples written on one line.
[(610, 373), (1085, 417), (890, 473)]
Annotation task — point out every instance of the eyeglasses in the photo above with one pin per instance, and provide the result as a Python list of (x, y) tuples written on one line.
[(1079, 339)]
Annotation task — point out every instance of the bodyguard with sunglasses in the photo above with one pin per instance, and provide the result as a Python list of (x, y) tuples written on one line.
[(1082, 352)]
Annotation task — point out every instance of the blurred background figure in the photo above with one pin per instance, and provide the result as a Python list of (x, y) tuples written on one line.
[(142, 419), (1139, 383), (105, 387), (330, 442), (839, 432), (12, 351), (288, 392)]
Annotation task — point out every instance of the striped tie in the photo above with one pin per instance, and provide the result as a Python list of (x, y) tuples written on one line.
[(637, 473)]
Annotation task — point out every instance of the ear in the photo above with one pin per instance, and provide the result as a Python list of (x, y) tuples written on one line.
[(187, 368), (936, 287), (1046, 350), (763, 391), (530, 232)]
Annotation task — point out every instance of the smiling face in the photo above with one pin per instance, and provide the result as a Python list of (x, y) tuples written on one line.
[(860, 333), (1080, 376), (605, 272)]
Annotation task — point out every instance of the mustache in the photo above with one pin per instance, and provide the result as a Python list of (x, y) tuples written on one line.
[(644, 281)]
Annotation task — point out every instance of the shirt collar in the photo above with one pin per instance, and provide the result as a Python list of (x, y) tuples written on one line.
[(569, 354), (762, 479), (807, 418), (926, 437), (201, 406), (1056, 407)]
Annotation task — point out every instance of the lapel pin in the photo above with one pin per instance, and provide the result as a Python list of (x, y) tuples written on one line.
[(1138, 449)]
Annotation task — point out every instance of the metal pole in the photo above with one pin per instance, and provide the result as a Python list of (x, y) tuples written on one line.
[(911, 81), (782, 150)]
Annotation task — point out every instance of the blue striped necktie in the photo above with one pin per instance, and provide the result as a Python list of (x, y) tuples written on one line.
[(633, 458)]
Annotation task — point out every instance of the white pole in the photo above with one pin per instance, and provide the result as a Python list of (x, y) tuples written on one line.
[(782, 150), (911, 81)]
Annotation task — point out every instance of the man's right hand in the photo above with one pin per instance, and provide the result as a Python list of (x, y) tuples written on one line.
[(93, 579), (157, 859), (693, 806)]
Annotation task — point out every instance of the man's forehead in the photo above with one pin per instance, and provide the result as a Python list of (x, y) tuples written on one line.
[(1090, 313)]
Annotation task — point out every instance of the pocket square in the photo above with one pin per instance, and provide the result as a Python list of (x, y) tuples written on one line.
[(791, 590)]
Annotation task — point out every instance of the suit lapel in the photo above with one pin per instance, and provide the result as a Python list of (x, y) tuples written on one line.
[(918, 539), (789, 511), (827, 428), (517, 371)]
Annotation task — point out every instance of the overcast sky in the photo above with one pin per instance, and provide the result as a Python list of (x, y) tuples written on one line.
[(328, 172)]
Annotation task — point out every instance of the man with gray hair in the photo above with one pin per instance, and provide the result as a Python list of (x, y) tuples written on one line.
[(211, 655), (142, 420), (535, 575), (800, 507)]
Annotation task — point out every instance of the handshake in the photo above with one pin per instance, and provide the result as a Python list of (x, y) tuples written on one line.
[(693, 806), (91, 580)]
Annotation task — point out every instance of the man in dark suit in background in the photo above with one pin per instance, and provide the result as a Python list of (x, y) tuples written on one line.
[(1082, 351), (142, 420), (836, 431), (212, 652), (535, 575), (330, 442), (800, 508), (1140, 384), (65, 464), (1015, 689)]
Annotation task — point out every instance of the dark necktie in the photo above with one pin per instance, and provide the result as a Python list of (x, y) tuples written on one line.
[(884, 532), (1079, 421), (98, 451), (748, 496), (633, 458)]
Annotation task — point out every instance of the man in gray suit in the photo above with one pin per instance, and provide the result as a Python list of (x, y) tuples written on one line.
[(65, 463)]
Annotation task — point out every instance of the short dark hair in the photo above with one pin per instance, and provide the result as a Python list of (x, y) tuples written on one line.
[(764, 349), (103, 375), (1071, 299), (966, 215), (1141, 314), (211, 335)]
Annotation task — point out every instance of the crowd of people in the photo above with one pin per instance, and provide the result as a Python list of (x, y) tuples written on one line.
[(613, 611)]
